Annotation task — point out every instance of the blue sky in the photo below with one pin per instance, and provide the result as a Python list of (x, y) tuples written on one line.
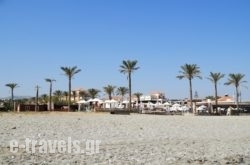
[(38, 37)]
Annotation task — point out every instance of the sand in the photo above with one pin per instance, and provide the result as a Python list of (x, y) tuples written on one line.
[(129, 139)]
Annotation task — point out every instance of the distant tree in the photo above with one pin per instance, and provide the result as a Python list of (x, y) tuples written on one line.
[(37, 97), (236, 80), (50, 81), (70, 72), (74, 95), (93, 93), (12, 86), (109, 89), (44, 98), (122, 91), (33, 100), (190, 71), (24, 101), (210, 97), (58, 95), (66, 95), (128, 67), (214, 78), (84, 95), (138, 95)]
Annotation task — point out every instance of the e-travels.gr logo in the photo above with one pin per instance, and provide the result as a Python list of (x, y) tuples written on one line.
[(60, 146)]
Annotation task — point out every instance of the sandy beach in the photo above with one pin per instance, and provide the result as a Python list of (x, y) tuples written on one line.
[(129, 139)]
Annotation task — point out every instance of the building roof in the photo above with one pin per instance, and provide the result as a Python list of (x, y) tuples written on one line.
[(226, 98)]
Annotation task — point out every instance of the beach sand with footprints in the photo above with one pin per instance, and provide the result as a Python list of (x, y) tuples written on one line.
[(129, 139)]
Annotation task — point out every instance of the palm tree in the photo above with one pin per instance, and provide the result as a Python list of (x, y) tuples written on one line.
[(83, 94), (128, 67), (37, 97), (109, 90), (93, 93), (44, 98), (66, 95), (214, 78), (138, 95), (12, 86), (50, 81), (70, 72), (190, 71), (236, 80), (58, 95), (74, 95), (211, 97), (122, 91)]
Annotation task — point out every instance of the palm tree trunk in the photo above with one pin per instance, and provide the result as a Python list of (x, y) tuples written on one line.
[(69, 100), (12, 99), (74, 95), (122, 97), (36, 108), (50, 93), (237, 98), (138, 101), (216, 95), (191, 95), (130, 91)]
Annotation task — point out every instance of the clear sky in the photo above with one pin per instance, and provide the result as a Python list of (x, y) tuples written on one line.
[(37, 37)]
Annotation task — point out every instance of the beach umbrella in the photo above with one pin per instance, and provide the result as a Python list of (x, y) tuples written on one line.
[(176, 105), (125, 102), (167, 104), (202, 108), (111, 101), (81, 102), (94, 100)]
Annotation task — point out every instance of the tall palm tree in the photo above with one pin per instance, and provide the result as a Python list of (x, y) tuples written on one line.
[(70, 72), (93, 93), (190, 71), (128, 67), (12, 86), (109, 90), (50, 81), (214, 78), (37, 97), (122, 91), (236, 80)]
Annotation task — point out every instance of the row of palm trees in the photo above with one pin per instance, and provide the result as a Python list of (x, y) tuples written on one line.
[(191, 71), (127, 67), (92, 93), (188, 71), (68, 71)]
